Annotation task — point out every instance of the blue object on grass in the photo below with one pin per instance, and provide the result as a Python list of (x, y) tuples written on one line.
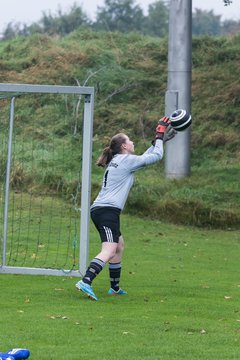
[(15, 354)]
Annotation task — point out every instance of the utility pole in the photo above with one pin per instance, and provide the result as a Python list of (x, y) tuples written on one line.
[(178, 94)]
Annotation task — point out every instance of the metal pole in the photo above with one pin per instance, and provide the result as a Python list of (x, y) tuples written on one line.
[(86, 183), (178, 95), (9, 155)]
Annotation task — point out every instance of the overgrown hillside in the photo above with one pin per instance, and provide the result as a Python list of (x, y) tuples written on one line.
[(129, 73)]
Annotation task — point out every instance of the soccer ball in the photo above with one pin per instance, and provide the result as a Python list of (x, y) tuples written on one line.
[(180, 119)]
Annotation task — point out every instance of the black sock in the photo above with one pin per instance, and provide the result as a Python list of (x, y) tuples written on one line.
[(115, 273), (93, 270)]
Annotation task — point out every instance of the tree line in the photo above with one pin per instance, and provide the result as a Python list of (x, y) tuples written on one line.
[(123, 16)]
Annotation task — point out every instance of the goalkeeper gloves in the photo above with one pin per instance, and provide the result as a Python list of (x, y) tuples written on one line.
[(161, 127), (164, 130)]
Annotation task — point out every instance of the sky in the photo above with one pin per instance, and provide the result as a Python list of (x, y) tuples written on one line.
[(29, 11)]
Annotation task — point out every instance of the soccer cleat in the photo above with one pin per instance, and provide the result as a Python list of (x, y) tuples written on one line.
[(15, 354), (87, 289), (119, 292), (19, 353)]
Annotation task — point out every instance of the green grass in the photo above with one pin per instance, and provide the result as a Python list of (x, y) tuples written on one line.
[(183, 282), (182, 303), (43, 231)]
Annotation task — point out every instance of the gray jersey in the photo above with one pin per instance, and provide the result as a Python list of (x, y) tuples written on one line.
[(119, 175)]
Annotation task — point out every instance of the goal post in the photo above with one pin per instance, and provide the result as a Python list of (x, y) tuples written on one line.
[(12, 91)]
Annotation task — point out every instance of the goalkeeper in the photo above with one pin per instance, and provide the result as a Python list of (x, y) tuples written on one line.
[(120, 163)]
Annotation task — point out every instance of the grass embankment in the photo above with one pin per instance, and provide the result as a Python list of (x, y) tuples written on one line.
[(129, 73), (182, 303)]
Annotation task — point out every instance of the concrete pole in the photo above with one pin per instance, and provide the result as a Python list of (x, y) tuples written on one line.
[(178, 94)]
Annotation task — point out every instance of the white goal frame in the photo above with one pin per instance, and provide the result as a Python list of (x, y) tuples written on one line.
[(88, 92)]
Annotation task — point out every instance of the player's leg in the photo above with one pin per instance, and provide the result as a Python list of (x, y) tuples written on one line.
[(117, 258), (107, 252), (107, 223), (115, 267)]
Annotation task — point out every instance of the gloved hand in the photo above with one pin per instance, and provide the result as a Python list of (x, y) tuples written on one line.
[(169, 133), (161, 127), (164, 130)]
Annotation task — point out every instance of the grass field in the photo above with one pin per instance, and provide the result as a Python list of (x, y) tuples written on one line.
[(183, 301), (183, 283)]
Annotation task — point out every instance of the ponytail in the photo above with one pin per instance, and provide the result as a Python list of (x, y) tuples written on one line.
[(105, 158), (115, 147)]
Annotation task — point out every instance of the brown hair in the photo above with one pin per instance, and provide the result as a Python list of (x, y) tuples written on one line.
[(115, 147)]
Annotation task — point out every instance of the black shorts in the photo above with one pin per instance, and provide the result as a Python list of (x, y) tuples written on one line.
[(107, 221)]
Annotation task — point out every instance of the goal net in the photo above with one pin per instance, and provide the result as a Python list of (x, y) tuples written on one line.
[(45, 160)]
